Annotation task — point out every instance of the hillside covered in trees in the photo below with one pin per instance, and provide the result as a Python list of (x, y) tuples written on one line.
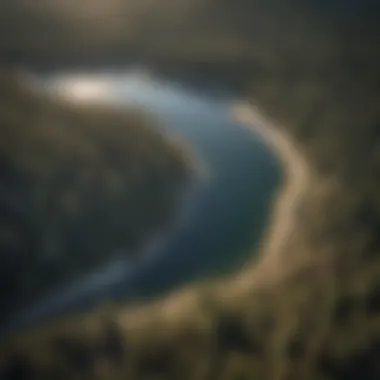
[(80, 184)]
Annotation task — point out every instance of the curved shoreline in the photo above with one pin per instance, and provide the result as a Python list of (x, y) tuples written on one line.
[(282, 225), (177, 306)]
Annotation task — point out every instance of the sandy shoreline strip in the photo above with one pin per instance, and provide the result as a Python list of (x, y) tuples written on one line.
[(282, 224)]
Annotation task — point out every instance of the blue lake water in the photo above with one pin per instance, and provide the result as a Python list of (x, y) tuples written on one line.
[(228, 212)]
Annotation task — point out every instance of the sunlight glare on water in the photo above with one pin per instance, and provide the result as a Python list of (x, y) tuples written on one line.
[(82, 89), (98, 87)]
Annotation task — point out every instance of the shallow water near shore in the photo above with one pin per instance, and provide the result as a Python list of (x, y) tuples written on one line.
[(225, 216)]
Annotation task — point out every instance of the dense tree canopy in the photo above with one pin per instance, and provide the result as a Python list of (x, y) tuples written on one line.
[(79, 183)]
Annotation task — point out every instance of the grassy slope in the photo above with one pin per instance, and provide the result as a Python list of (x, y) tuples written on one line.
[(79, 184), (313, 67)]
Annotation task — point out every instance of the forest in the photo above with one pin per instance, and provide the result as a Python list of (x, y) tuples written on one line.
[(80, 184)]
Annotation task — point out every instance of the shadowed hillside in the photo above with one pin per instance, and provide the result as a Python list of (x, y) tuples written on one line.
[(79, 185), (312, 67)]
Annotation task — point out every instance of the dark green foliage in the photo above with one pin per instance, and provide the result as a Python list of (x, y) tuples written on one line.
[(232, 336), (79, 185)]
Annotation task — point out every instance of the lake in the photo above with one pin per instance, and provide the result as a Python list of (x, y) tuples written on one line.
[(226, 215)]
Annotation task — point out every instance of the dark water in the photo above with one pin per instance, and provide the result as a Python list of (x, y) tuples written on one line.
[(228, 213)]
